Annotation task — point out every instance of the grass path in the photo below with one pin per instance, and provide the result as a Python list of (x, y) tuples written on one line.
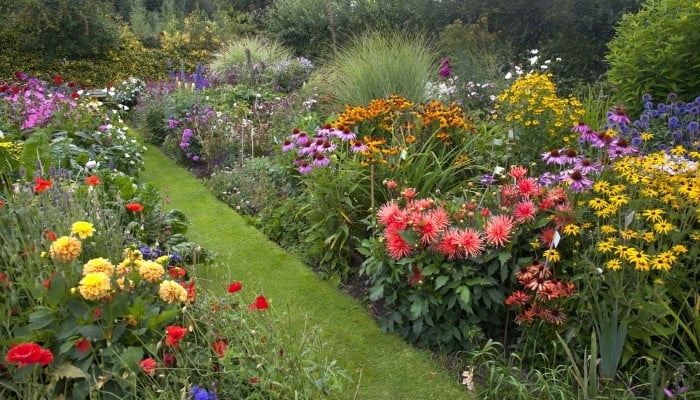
[(382, 366)]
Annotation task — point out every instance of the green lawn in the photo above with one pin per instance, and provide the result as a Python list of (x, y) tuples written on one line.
[(382, 366)]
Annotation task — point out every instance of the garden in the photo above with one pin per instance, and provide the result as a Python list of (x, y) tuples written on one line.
[(523, 217)]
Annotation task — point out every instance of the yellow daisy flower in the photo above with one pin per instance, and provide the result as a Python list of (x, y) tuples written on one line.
[(571, 229), (552, 255), (654, 215), (614, 264), (663, 227)]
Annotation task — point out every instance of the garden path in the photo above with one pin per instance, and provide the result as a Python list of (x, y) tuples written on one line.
[(382, 366)]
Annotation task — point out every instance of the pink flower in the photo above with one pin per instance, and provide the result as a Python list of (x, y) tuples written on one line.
[(518, 172), (148, 366), (498, 230), (396, 246), (391, 184), (525, 211)]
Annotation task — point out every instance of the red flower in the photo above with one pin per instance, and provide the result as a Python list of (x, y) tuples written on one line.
[(97, 313), (191, 291), (174, 335), (27, 354), (50, 235), (41, 184), (5, 280), (177, 272), (83, 345), (260, 303), (2, 203), (134, 207), (254, 381), (234, 287), (148, 366), (93, 180), (75, 96), (220, 347), (58, 79), (168, 359), (391, 184)]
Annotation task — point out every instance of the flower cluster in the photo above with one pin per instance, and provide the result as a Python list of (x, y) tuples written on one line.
[(28, 354), (668, 124), (314, 152)]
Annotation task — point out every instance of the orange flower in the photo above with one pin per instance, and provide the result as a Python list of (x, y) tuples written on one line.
[(41, 184), (93, 180), (134, 207)]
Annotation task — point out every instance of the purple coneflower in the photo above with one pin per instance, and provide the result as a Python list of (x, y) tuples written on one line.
[(321, 160), (358, 146), (618, 115), (554, 156), (578, 182)]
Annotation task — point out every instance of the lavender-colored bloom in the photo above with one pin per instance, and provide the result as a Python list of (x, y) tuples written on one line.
[(674, 123), (578, 182), (586, 166), (306, 148), (637, 141), (694, 110), (287, 145), (487, 179), (548, 179), (669, 393), (305, 167), (358, 146), (693, 126), (184, 145), (618, 116), (321, 160), (347, 135), (620, 148), (646, 97), (555, 156), (172, 123), (195, 158), (302, 138), (581, 127), (589, 137), (326, 147)]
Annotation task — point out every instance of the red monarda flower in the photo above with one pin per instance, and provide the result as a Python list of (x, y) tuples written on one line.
[(93, 180), (220, 347), (174, 335), (41, 184), (260, 303), (28, 354), (235, 287), (134, 207), (148, 366), (83, 345)]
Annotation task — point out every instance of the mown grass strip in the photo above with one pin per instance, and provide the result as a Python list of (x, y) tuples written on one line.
[(383, 365)]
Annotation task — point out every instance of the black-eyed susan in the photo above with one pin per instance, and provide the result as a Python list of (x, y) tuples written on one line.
[(663, 227), (653, 215)]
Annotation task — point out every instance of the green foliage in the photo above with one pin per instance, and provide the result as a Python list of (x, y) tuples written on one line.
[(232, 62), (377, 65), (193, 42), (653, 52)]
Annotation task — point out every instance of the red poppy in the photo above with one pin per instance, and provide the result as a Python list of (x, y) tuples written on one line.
[(174, 335), (41, 184), (220, 347), (148, 366), (260, 303), (93, 180), (134, 207), (51, 235), (168, 359), (83, 345), (2, 203), (234, 287), (58, 79), (27, 354)]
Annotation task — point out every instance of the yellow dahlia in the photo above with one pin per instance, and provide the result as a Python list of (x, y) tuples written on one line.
[(65, 248), (98, 265), (171, 292), (151, 271), (82, 229), (95, 286)]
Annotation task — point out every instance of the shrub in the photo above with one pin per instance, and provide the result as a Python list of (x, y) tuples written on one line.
[(654, 51), (247, 188), (231, 62), (377, 65)]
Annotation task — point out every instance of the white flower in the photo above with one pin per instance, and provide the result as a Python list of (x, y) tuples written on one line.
[(509, 75), (533, 60), (91, 164), (2, 135), (543, 67), (534, 51)]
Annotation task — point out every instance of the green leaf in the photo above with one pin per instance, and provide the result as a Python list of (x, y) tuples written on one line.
[(57, 289), (440, 281), (417, 308), (464, 295), (69, 371), (163, 318), (41, 318), (92, 332), (131, 357)]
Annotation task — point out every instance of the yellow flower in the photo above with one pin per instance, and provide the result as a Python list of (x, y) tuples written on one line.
[(648, 237), (628, 234), (618, 200), (601, 187), (132, 254), (151, 271), (82, 229), (95, 286), (171, 292), (98, 265), (123, 283), (640, 260), (65, 248), (607, 245), (679, 249), (552, 255), (163, 260), (614, 264), (597, 203), (654, 215), (608, 229), (663, 227), (571, 229)]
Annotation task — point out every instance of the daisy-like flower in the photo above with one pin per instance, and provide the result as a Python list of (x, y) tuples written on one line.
[(614, 264), (449, 244), (95, 286), (65, 248), (654, 215), (578, 182), (581, 127), (607, 246), (305, 167), (554, 156), (663, 227), (628, 234), (358, 146), (618, 115), (172, 292), (517, 298), (551, 255), (571, 229), (98, 265), (659, 264), (618, 200), (608, 229), (346, 134), (546, 237), (321, 160), (553, 316), (288, 145), (498, 230), (679, 249), (427, 229), (640, 260), (470, 242), (390, 213), (597, 203), (620, 147)]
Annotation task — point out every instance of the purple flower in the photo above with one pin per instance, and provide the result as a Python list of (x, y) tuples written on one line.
[(618, 115), (305, 167), (555, 156), (578, 182), (487, 179), (346, 135), (358, 146), (172, 123), (287, 145), (321, 160), (581, 127), (195, 158), (620, 147)]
